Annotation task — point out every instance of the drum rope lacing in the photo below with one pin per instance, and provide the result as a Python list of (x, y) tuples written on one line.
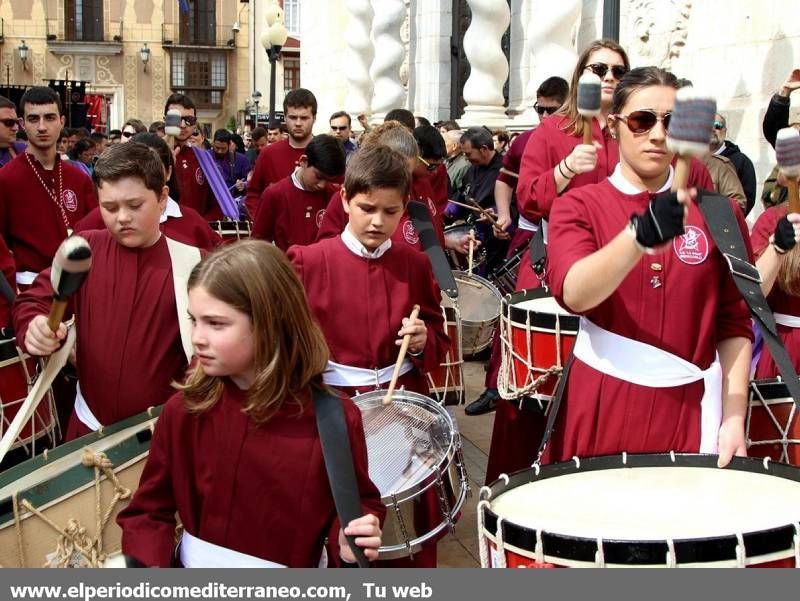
[(74, 537), (757, 398), (453, 365)]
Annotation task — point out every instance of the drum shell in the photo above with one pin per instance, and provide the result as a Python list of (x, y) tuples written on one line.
[(779, 439), (63, 489), (446, 382), (533, 341), (414, 513), (479, 304), (773, 547), (231, 231)]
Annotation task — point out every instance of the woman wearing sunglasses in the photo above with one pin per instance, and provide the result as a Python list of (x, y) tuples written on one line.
[(661, 362)]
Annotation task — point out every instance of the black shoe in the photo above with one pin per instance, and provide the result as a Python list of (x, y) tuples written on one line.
[(484, 404)]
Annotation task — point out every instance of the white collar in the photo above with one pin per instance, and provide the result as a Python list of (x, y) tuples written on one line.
[(720, 149), (172, 209), (296, 180), (621, 183), (358, 249)]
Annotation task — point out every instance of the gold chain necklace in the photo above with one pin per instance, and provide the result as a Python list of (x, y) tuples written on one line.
[(55, 195)]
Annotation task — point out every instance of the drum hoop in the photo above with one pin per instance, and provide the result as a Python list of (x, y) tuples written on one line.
[(448, 456), (9, 353), (568, 324), (770, 389), (492, 288), (643, 552)]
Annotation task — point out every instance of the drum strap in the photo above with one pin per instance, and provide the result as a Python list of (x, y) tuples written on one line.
[(335, 442), (538, 252), (183, 259), (724, 228), (421, 218)]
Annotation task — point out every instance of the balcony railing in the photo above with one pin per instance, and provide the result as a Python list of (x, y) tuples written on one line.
[(176, 35), (84, 33)]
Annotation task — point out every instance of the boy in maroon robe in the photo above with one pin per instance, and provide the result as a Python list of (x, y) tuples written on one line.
[(291, 211), (130, 314), (361, 288)]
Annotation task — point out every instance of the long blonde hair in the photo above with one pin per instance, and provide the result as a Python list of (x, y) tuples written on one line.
[(255, 277)]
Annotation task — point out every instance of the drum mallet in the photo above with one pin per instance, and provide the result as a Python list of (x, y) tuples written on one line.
[(787, 152), (690, 130), (589, 102), (172, 125), (70, 268), (400, 356)]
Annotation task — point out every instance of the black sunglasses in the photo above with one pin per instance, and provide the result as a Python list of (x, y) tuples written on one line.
[(188, 120), (644, 120), (10, 122), (128, 134), (600, 69), (339, 127), (544, 109)]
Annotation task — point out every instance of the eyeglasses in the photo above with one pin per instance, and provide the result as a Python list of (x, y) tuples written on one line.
[(128, 134), (339, 127), (9, 123), (719, 125), (600, 69), (189, 120), (431, 167), (644, 120), (544, 109)]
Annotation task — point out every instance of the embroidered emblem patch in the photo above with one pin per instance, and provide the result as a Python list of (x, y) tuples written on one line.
[(320, 217), (70, 200), (198, 175), (692, 247), (409, 233)]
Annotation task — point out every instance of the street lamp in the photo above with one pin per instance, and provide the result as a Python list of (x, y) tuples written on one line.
[(256, 96), (144, 55), (23, 55), (273, 40)]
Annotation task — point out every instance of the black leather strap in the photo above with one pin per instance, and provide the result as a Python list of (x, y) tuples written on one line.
[(7, 290), (538, 252), (721, 222), (335, 442), (421, 217), (555, 406)]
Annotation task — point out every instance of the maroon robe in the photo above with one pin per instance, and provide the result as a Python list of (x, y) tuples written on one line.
[(687, 306), (779, 301), (30, 222), (261, 490), (128, 342), (8, 267), (195, 191), (287, 215), (440, 187), (190, 228), (275, 162)]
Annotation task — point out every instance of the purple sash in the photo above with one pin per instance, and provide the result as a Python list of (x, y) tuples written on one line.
[(218, 186)]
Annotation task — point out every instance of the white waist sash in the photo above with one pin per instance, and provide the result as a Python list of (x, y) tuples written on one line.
[(338, 374), (83, 413), (790, 321), (528, 226), (197, 553), (647, 365), (26, 278)]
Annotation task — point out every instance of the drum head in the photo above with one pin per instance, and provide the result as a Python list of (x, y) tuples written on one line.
[(407, 440), (478, 299)]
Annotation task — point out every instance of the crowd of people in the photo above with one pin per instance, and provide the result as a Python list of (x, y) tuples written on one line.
[(320, 299)]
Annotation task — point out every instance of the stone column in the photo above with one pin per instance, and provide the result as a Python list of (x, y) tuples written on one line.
[(388, 92), (358, 58), (551, 38), (483, 91)]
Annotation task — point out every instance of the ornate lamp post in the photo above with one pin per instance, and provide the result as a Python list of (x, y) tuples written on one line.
[(273, 40)]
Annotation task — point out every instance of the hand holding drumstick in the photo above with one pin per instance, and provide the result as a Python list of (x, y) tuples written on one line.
[(414, 335)]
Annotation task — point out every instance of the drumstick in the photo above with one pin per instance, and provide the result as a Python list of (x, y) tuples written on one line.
[(470, 207), (471, 249), (589, 102), (400, 356), (489, 217), (787, 152), (689, 130), (70, 267)]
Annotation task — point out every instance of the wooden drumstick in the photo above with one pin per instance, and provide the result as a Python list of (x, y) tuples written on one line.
[(70, 267), (787, 153), (689, 131), (471, 249), (400, 356), (489, 217), (590, 89)]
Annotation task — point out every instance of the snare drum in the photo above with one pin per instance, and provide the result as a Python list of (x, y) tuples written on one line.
[(78, 488), (536, 336), (643, 510), (479, 303), (18, 372), (230, 230), (446, 383), (504, 276), (772, 429), (415, 461), (460, 261)]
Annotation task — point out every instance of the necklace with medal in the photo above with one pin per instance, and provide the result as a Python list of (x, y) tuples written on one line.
[(55, 195)]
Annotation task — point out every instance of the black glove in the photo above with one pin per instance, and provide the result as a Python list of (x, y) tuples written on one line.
[(783, 239), (662, 221)]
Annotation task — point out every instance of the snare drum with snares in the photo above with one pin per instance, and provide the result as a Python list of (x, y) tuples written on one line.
[(415, 461), (479, 304), (537, 336), (772, 429), (670, 510), (18, 372), (446, 382), (459, 261), (59, 509), (231, 230)]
